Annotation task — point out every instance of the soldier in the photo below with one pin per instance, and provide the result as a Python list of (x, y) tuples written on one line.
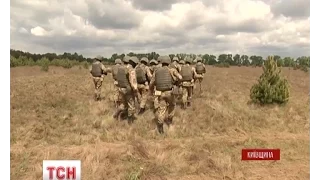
[(201, 70), (127, 84), (114, 72), (153, 65), (175, 65), (143, 78), (98, 70), (188, 74), (163, 80), (159, 63)]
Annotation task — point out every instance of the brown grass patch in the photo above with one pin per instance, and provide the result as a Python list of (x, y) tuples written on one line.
[(53, 116)]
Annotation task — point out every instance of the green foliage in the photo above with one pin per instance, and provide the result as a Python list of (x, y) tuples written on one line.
[(271, 88), (68, 60), (44, 63), (86, 65)]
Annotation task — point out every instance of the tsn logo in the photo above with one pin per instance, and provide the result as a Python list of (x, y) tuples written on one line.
[(61, 170)]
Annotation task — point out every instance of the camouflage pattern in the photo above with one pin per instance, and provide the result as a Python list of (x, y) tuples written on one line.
[(164, 99), (115, 90), (187, 86), (98, 80), (200, 68), (126, 93), (143, 88)]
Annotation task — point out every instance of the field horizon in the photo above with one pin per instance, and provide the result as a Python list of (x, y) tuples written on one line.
[(54, 116)]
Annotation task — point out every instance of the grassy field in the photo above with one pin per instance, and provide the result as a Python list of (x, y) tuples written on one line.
[(53, 116)]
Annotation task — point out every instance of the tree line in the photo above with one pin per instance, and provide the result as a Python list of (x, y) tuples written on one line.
[(20, 58)]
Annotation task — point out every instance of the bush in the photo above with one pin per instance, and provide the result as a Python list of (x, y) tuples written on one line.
[(86, 65), (271, 88), (305, 68), (227, 65), (44, 63)]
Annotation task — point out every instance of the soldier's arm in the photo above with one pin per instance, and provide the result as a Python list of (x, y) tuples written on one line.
[(176, 75), (204, 66), (133, 79), (104, 69), (195, 75), (152, 82), (149, 74)]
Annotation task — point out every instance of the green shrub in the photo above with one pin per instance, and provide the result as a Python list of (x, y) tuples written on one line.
[(86, 65), (271, 88), (44, 63)]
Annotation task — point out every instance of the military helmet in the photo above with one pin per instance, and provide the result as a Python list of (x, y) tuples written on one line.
[(144, 59), (99, 58), (198, 59), (164, 59), (126, 59), (134, 59), (117, 61), (153, 61), (182, 61), (175, 59), (188, 60)]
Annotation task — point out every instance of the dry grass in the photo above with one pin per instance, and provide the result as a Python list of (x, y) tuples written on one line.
[(53, 116)]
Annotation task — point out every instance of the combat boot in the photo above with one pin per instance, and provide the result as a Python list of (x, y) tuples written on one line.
[(116, 115), (160, 128), (188, 104), (141, 111), (169, 121), (131, 119)]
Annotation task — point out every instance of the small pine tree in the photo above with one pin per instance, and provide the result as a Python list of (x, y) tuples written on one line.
[(271, 88)]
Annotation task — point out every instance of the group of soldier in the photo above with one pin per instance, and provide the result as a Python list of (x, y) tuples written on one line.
[(164, 80)]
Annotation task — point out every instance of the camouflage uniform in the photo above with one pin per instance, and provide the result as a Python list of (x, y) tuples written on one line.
[(163, 80), (144, 76), (127, 84), (176, 88), (114, 72), (98, 70), (188, 74), (153, 67), (201, 70)]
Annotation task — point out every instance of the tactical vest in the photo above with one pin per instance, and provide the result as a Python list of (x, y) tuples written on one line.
[(186, 73), (123, 77), (199, 68), (96, 70), (164, 81), (141, 75), (115, 71)]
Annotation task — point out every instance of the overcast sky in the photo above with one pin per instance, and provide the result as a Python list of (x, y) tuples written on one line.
[(104, 27)]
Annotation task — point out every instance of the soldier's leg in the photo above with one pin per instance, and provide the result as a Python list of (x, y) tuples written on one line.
[(171, 108), (98, 88), (200, 83), (189, 92), (131, 107), (161, 113), (184, 96), (144, 97), (155, 102), (95, 88), (122, 104)]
